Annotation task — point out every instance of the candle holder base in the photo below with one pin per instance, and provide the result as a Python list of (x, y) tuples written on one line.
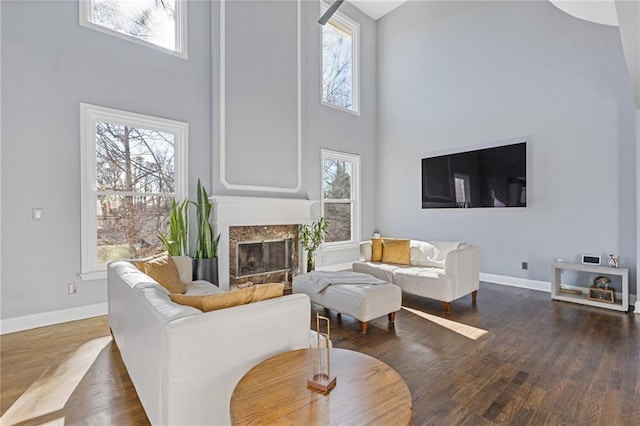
[(322, 382)]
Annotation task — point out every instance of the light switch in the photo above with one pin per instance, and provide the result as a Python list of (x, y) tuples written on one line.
[(38, 213)]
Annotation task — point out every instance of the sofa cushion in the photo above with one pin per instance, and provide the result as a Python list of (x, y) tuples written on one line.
[(376, 249), (396, 251), (378, 270), (423, 281), (158, 297), (163, 269), (201, 288)]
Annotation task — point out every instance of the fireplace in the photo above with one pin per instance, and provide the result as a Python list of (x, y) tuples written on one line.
[(255, 258), (255, 219), (262, 254)]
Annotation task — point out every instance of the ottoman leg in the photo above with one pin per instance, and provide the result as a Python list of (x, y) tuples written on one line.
[(474, 296), (446, 306), (391, 316), (363, 327)]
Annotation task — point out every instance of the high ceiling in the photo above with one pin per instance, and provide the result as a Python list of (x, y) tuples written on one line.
[(624, 14)]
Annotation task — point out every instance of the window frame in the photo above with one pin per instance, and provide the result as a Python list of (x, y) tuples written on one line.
[(343, 20), (180, 29), (354, 201), (89, 116)]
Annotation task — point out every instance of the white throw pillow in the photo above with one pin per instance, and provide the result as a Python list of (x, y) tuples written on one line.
[(420, 251)]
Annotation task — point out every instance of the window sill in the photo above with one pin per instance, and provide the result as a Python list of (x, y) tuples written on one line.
[(339, 108), (95, 275)]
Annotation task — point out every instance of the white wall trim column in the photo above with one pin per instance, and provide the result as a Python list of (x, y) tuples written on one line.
[(637, 310)]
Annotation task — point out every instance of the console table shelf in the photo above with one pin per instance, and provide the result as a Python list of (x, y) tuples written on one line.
[(622, 300)]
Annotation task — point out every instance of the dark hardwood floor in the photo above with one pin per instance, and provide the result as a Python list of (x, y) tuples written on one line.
[(515, 358)]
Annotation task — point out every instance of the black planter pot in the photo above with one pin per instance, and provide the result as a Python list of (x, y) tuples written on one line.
[(206, 269)]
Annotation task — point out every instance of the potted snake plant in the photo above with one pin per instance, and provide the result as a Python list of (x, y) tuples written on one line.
[(177, 240), (205, 258)]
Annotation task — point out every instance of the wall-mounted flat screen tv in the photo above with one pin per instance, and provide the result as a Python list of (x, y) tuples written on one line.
[(490, 177)]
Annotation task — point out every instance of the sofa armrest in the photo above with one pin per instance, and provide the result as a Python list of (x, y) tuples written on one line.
[(463, 266), (365, 251)]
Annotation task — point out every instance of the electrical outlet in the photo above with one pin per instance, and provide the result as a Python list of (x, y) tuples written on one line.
[(324, 258), (73, 288), (525, 265)]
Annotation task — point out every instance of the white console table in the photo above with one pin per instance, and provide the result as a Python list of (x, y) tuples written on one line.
[(621, 302)]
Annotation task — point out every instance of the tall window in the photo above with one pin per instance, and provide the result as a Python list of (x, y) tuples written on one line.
[(156, 23), (341, 197), (133, 166), (340, 63)]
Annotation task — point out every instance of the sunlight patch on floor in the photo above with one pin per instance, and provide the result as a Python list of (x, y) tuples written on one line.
[(51, 391), (467, 331)]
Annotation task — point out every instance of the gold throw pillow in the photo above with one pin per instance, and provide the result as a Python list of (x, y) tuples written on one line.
[(183, 299), (226, 300), (163, 269), (267, 291), (376, 249), (396, 251)]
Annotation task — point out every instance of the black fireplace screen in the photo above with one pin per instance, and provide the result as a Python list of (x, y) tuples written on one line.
[(261, 257)]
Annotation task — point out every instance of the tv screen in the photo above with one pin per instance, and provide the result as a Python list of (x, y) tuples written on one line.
[(490, 177)]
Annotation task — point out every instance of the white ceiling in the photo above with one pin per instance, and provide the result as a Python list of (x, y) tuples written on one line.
[(624, 14), (376, 8), (601, 12)]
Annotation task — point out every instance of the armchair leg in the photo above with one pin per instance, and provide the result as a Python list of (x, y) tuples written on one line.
[(474, 296), (363, 326), (391, 316), (446, 306)]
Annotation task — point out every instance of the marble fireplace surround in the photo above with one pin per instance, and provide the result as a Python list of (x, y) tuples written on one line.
[(239, 211)]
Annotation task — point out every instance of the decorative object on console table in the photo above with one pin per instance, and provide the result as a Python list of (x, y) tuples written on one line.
[(321, 378), (311, 237), (602, 294), (590, 259), (614, 261), (205, 262)]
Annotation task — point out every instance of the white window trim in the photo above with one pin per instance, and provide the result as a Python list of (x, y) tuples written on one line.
[(89, 116), (355, 197), (344, 20), (181, 29)]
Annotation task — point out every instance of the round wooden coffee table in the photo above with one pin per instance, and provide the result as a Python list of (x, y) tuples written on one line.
[(275, 391)]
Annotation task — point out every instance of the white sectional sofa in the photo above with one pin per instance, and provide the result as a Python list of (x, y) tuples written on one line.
[(184, 364), (443, 271)]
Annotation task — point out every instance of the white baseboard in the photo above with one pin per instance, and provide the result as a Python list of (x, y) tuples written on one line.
[(539, 286), (516, 282), (27, 322)]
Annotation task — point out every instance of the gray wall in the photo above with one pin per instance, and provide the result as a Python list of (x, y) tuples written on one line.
[(50, 64), (322, 126), (459, 75)]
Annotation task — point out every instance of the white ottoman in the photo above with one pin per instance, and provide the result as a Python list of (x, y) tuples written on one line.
[(363, 302)]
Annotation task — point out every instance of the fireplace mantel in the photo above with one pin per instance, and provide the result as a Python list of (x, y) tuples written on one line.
[(251, 211)]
